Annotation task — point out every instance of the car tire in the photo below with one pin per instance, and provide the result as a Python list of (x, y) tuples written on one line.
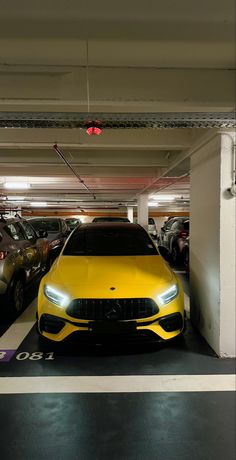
[(16, 295), (175, 254), (186, 260)]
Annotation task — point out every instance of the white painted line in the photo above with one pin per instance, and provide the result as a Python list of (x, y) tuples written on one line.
[(117, 384), (186, 302), (16, 333)]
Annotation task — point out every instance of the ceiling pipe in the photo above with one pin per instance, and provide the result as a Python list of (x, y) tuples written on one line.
[(171, 183), (61, 155)]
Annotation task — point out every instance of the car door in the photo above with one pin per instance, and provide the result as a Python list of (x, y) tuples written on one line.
[(15, 248), (166, 233), (65, 230), (175, 229), (32, 250)]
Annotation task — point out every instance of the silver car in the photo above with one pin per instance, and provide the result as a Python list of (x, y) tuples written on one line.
[(23, 256), (152, 230)]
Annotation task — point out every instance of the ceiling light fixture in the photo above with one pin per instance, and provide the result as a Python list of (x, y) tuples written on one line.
[(15, 198), (39, 204), (153, 204), (163, 197), (17, 185)]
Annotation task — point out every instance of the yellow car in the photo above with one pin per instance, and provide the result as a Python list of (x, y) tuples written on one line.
[(110, 279)]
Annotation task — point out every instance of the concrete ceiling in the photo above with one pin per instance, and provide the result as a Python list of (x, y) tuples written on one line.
[(61, 55)]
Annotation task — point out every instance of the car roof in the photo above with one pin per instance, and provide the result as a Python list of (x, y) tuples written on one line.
[(45, 218), (110, 225), (10, 220)]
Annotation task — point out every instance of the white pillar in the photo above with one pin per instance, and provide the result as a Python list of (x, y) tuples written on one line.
[(212, 243), (130, 214), (143, 210)]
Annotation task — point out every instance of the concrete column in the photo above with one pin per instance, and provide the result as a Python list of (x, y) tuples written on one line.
[(212, 243), (143, 210), (130, 214)]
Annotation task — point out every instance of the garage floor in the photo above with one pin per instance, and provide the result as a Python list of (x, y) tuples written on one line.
[(114, 401)]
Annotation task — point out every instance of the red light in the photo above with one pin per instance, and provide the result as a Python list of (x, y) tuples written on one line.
[(183, 234), (94, 131)]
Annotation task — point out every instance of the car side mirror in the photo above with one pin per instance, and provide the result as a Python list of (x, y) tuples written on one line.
[(42, 233), (164, 253)]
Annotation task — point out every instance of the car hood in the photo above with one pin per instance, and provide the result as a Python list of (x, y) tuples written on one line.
[(127, 275)]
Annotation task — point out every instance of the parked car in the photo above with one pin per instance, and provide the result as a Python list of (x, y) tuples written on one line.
[(110, 219), (185, 253), (23, 256), (173, 236), (72, 223), (110, 279), (152, 230), (56, 230)]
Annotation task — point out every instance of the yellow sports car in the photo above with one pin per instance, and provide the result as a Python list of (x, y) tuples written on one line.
[(110, 279)]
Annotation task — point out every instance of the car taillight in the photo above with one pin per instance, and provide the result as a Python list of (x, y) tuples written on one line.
[(183, 234), (3, 255)]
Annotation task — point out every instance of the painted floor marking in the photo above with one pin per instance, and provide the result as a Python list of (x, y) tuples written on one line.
[(186, 302), (117, 384), (14, 336)]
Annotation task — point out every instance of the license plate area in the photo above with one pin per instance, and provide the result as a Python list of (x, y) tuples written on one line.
[(112, 327)]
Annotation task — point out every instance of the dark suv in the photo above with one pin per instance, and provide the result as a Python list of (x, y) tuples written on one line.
[(23, 256), (173, 236), (56, 231)]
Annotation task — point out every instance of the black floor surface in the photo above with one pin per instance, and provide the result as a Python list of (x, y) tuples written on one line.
[(171, 426)]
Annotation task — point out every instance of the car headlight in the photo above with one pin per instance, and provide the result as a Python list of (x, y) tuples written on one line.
[(55, 296), (168, 295)]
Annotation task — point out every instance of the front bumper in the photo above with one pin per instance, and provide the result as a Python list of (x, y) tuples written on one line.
[(164, 327)]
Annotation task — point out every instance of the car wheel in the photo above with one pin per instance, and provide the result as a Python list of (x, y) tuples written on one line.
[(175, 254), (186, 260), (17, 294)]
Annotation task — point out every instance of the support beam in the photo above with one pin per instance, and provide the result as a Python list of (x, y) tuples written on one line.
[(143, 210), (130, 213)]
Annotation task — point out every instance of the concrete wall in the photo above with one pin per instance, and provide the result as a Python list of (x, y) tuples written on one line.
[(212, 249)]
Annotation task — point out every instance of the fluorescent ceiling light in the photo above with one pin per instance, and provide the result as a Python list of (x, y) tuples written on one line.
[(17, 185), (153, 204), (16, 198), (163, 197), (39, 204)]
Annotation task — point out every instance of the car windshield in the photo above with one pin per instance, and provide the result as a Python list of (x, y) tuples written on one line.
[(109, 242), (72, 222), (110, 219), (50, 225), (151, 221)]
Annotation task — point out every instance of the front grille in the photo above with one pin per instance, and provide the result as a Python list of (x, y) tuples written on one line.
[(112, 309)]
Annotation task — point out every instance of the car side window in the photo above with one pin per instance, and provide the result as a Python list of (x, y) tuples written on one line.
[(14, 231), (29, 231), (176, 225), (168, 225)]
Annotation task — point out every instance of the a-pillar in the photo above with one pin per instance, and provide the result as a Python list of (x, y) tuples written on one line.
[(212, 242), (130, 214), (143, 210)]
